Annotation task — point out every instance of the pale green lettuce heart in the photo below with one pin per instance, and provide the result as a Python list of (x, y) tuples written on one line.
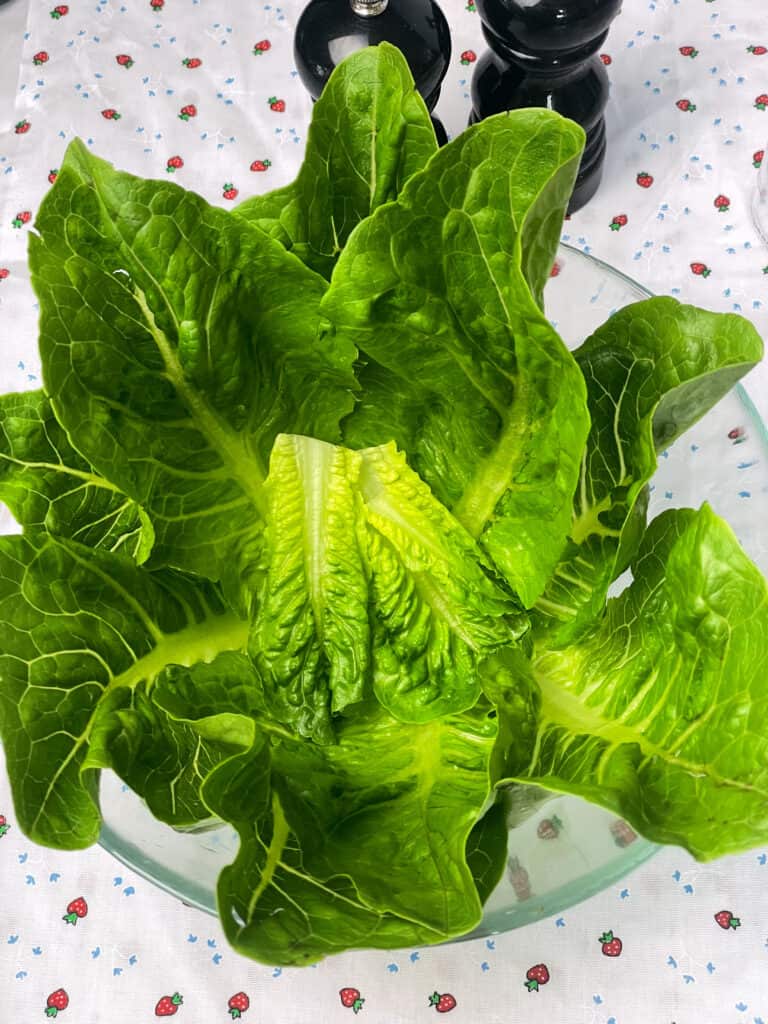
[(368, 585)]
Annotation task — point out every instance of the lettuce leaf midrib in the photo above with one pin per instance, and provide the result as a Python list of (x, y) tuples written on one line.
[(241, 461)]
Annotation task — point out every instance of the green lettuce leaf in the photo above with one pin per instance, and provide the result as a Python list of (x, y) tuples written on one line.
[(177, 341), (79, 626), (386, 792), (48, 485), (272, 908), (222, 698), (439, 292), (652, 370), (370, 132), (368, 582), (487, 849), (162, 760), (317, 822), (407, 795), (660, 714)]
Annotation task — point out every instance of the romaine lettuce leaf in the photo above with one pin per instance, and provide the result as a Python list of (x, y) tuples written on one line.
[(79, 625), (162, 760), (272, 908), (439, 292), (48, 485), (652, 370), (370, 132), (407, 795), (660, 713), (317, 823), (177, 341)]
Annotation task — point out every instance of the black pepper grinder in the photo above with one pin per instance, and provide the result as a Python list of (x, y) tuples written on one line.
[(543, 53), (330, 30)]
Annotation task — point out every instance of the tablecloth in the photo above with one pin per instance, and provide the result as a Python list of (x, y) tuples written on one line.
[(207, 91)]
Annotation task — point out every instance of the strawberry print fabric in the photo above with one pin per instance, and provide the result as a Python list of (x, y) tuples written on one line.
[(207, 93)]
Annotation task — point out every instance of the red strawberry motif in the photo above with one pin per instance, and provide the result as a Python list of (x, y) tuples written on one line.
[(76, 909), (56, 1002), (192, 62), (261, 47), (612, 945), (549, 828), (229, 191), (442, 1003), (607, 59), (53, 174), (700, 269), (722, 203), (261, 165), (644, 179), (736, 434), (275, 104), (757, 157), (468, 57), (238, 1004), (618, 222), (351, 998), (124, 60), (471, 7), (556, 268), (157, 5), (168, 1005), (686, 106), (761, 101), (22, 127), (725, 918), (59, 12), (111, 115), (190, 110), (4, 826), (689, 51), (757, 51), (537, 976), (40, 58), (22, 217), (518, 876), (174, 162), (622, 834)]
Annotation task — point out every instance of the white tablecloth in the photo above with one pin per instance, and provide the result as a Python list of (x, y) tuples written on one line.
[(667, 172)]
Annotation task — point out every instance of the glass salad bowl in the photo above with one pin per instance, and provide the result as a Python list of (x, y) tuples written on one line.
[(561, 849)]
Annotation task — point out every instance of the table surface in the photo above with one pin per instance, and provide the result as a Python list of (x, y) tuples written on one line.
[(136, 943)]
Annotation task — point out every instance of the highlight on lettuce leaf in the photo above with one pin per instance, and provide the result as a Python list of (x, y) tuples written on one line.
[(318, 519)]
